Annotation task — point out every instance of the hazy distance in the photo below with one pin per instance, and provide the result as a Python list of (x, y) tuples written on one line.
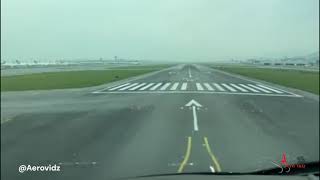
[(160, 30)]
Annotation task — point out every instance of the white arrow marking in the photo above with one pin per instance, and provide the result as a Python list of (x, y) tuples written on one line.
[(194, 105), (195, 119)]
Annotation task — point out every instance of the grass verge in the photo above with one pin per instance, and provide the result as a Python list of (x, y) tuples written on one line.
[(303, 80), (67, 79)]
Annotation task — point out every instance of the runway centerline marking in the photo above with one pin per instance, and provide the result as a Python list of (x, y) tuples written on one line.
[(189, 72), (213, 158), (186, 157)]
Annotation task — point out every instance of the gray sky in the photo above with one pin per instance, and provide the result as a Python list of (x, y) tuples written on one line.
[(163, 29)]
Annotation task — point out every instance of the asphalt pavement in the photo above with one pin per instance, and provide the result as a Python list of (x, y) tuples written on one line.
[(188, 118)]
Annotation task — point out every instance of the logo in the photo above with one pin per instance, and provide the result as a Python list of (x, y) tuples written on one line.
[(286, 167)]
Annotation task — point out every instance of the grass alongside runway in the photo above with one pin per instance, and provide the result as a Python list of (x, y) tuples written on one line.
[(67, 79), (303, 80)]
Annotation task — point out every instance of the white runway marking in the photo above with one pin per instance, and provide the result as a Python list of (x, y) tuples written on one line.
[(174, 86), (207, 85), (127, 87), (193, 92), (274, 90), (229, 88), (261, 89), (136, 87), (184, 86), (156, 86), (202, 88), (240, 88), (146, 87), (212, 169), (119, 86), (218, 87), (165, 86), (249, 88), (189, 72), (199, 87)]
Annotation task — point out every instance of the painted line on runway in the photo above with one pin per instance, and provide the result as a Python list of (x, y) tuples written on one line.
[(254, 81), (174, 86), (195, 92), (238, 87), (146, 87), (195, 118), (127, 87), (218, 87), (259, 88), (228, 87), (207, 85), (117, 87), (247, 87), (190, 76), (136, 87), (213, 158), (184, 86), (212, 169), (186, 157), (165, 86), (155, 87), (271, 89), (199, 87)]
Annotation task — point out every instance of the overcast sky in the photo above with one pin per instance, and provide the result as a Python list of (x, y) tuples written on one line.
[(163, 29)]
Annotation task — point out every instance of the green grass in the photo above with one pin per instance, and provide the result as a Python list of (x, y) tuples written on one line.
[(67, 79), (303, 80)]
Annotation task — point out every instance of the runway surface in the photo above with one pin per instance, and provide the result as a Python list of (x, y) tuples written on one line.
[(188, 118)]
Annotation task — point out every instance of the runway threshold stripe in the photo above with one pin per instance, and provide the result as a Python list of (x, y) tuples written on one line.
[(165, 86), (213, 158), (271, 89), (186, 157), (199, 87), (229, 88), (127, 87), (174, 86), (117, 87), (249, 88), (146, 87), (218, 87), (136, 87), (259, 88), (184, 86), (240, 88), (155, 87), (207, 85)]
